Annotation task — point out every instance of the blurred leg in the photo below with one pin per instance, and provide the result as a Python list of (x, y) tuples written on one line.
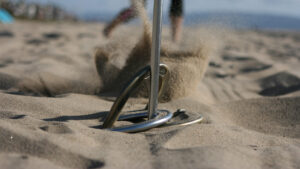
[(176, 12), (176, 22), (124, 16)]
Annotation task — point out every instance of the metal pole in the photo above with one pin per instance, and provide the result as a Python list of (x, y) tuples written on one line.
[(155, 57)]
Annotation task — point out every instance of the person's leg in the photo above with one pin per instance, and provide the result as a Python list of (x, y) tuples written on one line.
[(176, 17), (124, 16)]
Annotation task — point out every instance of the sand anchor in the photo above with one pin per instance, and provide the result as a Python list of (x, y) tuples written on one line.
[(157, 73)]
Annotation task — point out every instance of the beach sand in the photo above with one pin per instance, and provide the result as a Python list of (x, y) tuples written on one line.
[(50, 104)]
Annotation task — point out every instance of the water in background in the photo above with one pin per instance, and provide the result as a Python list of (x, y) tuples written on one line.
[(276, 16), (230, 19)]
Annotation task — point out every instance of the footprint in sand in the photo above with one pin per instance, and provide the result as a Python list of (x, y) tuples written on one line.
[(57, 128), (237, 58), (279, 84), (36, 42), (246, 64), (52, 35), (10, 115), (6, 34), (6, 62)]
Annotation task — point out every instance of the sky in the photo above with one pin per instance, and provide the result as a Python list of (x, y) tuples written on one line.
[(278, 7)]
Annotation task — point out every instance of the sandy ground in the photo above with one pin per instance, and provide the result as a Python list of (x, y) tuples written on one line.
[(50, 105)]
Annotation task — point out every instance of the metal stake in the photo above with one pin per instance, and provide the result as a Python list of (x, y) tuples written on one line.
[(155, 57)]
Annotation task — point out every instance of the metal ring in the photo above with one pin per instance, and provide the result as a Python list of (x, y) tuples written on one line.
[(186, 122), (198, 120), (147, 124), (115, 110), (188, 118)]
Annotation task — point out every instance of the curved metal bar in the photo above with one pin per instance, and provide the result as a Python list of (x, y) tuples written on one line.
[(147, 124), (163, 72), (198, 120), (186, 122), (118, 105), (115, 110), (192, 118), (133, 116), (189, 118)]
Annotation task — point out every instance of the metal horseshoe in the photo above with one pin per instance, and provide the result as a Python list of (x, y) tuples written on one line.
[(115, 111), (156, 71)]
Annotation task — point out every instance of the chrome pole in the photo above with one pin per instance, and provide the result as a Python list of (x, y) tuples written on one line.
[(155, 57)]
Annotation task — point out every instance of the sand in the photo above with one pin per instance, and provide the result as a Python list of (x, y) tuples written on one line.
[(51, 101)]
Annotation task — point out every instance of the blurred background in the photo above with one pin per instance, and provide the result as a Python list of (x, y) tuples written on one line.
[(259, 14)]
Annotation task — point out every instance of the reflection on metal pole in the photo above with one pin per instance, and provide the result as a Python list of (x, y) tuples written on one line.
[(155, 57)]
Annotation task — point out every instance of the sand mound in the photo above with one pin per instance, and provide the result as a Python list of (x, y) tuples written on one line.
[(24, 145), (48, 84), (7, 81)]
